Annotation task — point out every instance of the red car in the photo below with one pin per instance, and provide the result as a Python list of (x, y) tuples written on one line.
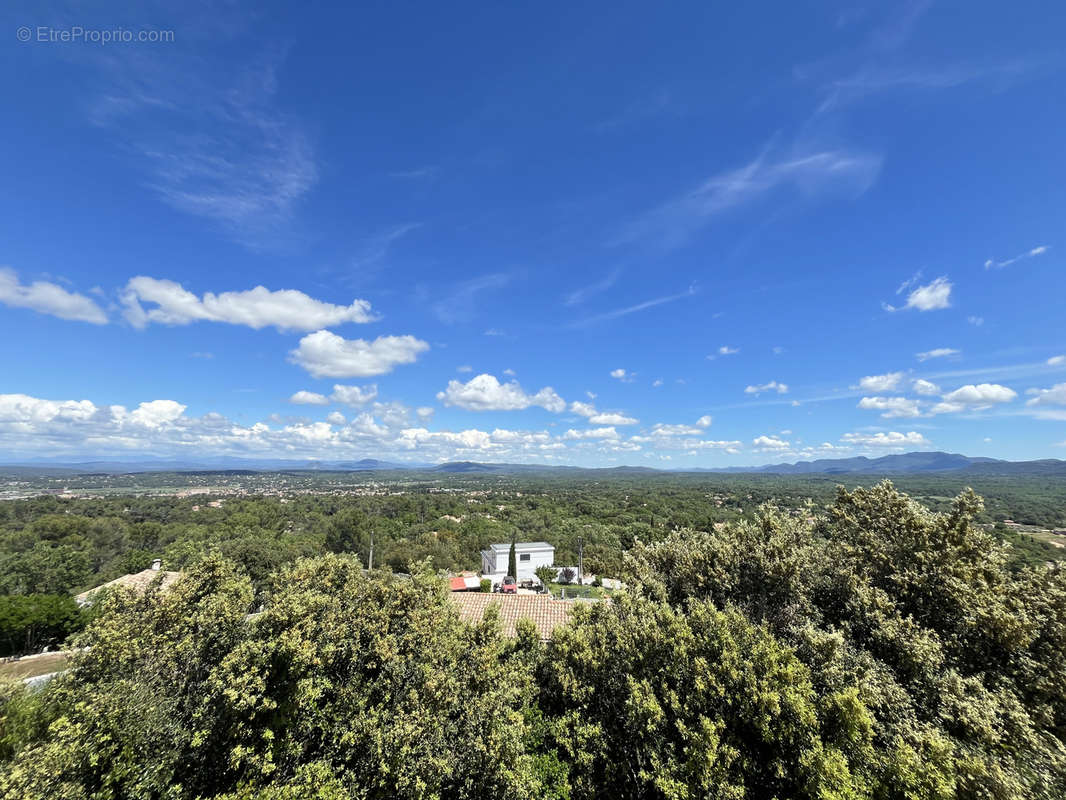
[(509, 586)]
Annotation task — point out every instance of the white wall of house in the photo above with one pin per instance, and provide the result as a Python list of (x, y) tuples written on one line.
[(528, 555)]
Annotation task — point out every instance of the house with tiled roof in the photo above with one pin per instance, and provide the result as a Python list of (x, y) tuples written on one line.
[(138, 581), (546, 612)]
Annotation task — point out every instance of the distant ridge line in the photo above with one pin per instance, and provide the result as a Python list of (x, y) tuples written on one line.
[(932, 462)]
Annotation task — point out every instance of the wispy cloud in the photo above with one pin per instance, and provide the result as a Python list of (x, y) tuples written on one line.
[(810, 173), (579, 296), (939, 352), (1036, 251), (659, 103), (879, 64), (458, 305), (419, 173), (870, 80), (622, 312), (209, 135), (375, 248)]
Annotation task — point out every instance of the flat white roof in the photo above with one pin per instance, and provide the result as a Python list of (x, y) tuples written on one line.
[(506, 546)]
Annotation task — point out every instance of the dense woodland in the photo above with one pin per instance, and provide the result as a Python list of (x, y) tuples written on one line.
[(877, 650), (778, 639), (56, 545)]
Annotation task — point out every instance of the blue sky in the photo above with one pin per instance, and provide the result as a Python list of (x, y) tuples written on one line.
[(580, 233)]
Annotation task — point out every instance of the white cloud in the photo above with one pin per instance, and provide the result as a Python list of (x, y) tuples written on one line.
[(155, 413), (924, 387), (390, 430), (285, 309), (772, 386), (657, 382), (940, 352), (1056, 395), (622, 375), (1055, 361), (976, 321), (485, 393), (48, 298), (890, 439), (612, 418), (705, 421), (21, 408), (592, 433), (981, 394), (160, 427), (891, 407), (888, 382), (584, 409), (663, 429), (1036, 251), (510, 373), (588, 410), (304, 397), (973, 398), (326, 355), (354, 395), (464, 368), (931, 297), (770, 443)]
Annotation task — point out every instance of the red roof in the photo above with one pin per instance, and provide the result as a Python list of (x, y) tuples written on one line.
[(457, 584)]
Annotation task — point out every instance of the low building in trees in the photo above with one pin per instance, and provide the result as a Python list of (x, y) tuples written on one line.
[(528, 556)]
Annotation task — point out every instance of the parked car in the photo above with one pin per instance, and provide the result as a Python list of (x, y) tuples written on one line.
[(509, 586)]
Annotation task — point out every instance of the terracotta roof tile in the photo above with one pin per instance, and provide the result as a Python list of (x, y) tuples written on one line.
[(546, 612)]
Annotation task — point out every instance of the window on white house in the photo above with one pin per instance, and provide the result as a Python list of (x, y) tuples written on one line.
[(524, 557)]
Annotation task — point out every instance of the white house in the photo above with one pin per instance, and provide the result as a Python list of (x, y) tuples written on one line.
[(528, 556)]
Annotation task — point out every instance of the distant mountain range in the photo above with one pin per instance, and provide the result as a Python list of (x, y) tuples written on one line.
[(910, 463), (897, 464)]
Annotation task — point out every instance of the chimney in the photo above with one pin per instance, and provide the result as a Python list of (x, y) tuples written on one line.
[(157, 564)]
